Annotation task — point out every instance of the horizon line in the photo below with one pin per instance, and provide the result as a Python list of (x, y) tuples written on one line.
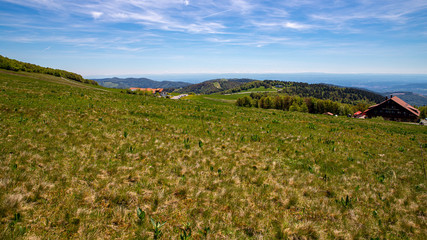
[(92, 76)]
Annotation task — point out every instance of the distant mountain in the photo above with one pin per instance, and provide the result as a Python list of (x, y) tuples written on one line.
[(380, 83), (215, 85), (410, 97), (138, 82)]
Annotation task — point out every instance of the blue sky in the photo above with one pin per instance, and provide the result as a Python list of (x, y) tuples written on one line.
[(137, 37)]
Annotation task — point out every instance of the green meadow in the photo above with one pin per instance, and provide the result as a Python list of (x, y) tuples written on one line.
[(85, 162)]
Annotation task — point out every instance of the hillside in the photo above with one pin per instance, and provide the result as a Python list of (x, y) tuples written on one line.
[(126, 83), (18, 66), (214, 86), (84, 162), (319, 91)]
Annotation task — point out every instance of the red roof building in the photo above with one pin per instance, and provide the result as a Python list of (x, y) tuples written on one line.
[(357, 113), (394, 109)]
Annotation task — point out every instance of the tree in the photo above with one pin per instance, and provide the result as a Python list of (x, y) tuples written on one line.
[(294, 107), (304, 108)]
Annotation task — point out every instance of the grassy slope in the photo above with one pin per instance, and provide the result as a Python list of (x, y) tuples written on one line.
[(76, 162)]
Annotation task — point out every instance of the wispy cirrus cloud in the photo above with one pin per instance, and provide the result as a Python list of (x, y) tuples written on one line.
[(284, 24), (392, 11), (192, 27)]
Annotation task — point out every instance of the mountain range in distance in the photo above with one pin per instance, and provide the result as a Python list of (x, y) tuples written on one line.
[(125, 83), (413, 91)]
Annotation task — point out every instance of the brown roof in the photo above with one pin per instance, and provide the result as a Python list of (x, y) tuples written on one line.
[(406, 105), (400, 102)]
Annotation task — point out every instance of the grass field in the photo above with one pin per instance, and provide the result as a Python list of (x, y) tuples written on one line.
[(216, 98), (77, 161)]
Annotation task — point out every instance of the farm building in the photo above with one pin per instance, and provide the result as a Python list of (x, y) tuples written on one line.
[(358, 114), (394, 109), (153, 90)]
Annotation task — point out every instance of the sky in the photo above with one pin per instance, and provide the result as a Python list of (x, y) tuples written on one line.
[(137, 37)]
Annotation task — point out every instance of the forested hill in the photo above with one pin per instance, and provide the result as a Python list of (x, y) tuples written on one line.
[(15, 65), (139, 82), (320, 91), (215, 85)]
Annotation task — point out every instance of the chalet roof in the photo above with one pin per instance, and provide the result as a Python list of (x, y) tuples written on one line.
[(398, 101)]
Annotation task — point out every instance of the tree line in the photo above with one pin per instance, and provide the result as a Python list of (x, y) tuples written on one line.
[(319, 91), (15, 65), (214, 86), (299, 104), (247, 86)]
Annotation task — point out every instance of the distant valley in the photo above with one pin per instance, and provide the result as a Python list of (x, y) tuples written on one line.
[(410, 97)]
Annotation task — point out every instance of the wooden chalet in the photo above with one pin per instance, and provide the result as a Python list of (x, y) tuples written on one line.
[(394, 109)]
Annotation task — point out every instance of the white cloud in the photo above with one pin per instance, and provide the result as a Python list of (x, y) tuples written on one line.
[(295, 25), (96, 15), (287, 24), (187, 2), (242, 5)]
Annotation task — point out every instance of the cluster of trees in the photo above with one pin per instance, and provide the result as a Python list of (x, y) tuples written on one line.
[(14, 65), (299, 104), (214, 86), (423, 112), (319, 91), (325, 91), (247, 86)]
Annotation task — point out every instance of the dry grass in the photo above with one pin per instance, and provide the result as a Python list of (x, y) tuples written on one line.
[(77, 163)]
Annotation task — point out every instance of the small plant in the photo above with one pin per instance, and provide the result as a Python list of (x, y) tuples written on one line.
[(381, 178), (141, 214), (255, 138), (375, 213), (14, 166), (187, 143), (345, 202), (185, 232), (200, 143), (401, 149), (311, 126), (156, 228), (205, 231), (125, 134)]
